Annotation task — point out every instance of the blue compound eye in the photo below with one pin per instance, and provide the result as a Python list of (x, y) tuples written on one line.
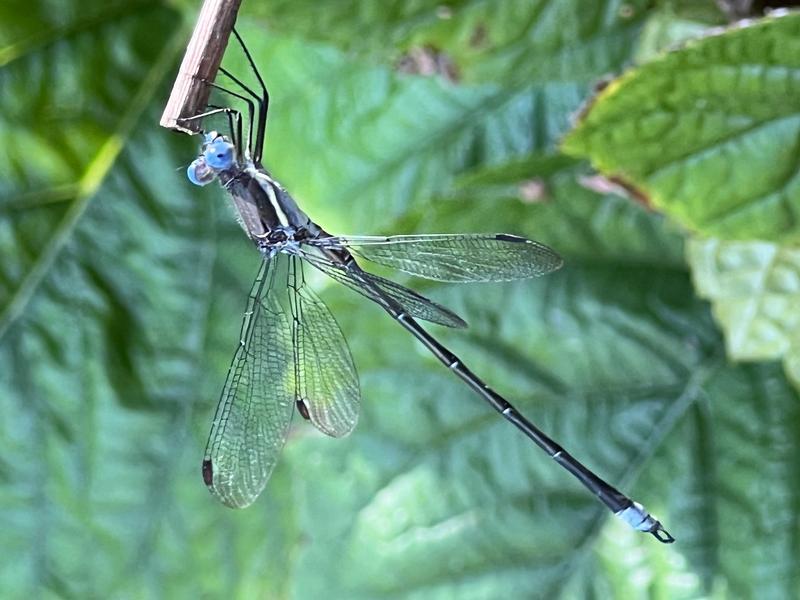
[(219, 154), (199, 173)]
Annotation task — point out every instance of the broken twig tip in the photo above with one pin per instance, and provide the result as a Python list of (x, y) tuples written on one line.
[(200, 64)]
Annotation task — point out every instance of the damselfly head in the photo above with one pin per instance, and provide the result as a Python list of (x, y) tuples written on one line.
[(217, 154)]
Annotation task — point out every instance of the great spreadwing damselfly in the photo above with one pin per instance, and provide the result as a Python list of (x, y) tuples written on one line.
[(292, 353)]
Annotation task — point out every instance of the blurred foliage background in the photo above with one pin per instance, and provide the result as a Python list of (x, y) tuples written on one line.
[(122, 286)]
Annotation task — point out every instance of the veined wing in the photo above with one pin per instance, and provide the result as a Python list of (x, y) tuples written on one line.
[(411, 302), (326, 379), (255, 409), (453, 257)]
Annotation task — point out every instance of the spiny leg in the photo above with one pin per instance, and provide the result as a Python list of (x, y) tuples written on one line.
[(257, 150), (263, 100), (234, 116)]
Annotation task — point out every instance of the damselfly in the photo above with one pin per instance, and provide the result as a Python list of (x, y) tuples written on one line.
[(292, 353)]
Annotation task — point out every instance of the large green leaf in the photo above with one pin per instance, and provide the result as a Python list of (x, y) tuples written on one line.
[(64, 85), (122, 288), (460, 504), (616, 358), (386, 143), (709, 132), (437, 129), (513, 41)]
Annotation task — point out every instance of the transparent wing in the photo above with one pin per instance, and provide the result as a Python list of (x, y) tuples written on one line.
[(326, 379), (411, 302), (255, 409), (453, 258)]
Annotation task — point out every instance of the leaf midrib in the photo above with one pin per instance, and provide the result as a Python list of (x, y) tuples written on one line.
[(89, 183)]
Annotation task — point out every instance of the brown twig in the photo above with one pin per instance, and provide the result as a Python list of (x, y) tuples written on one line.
[(200, 64)]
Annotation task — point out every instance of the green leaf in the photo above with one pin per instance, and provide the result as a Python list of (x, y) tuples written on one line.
[(406, 138), (755, 291), (126, 286), (511, 41), (734, 453), (709, 132), (435, 496), (67, 131)]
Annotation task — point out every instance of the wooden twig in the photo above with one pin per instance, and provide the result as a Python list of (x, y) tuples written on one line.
[(200, 64)]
